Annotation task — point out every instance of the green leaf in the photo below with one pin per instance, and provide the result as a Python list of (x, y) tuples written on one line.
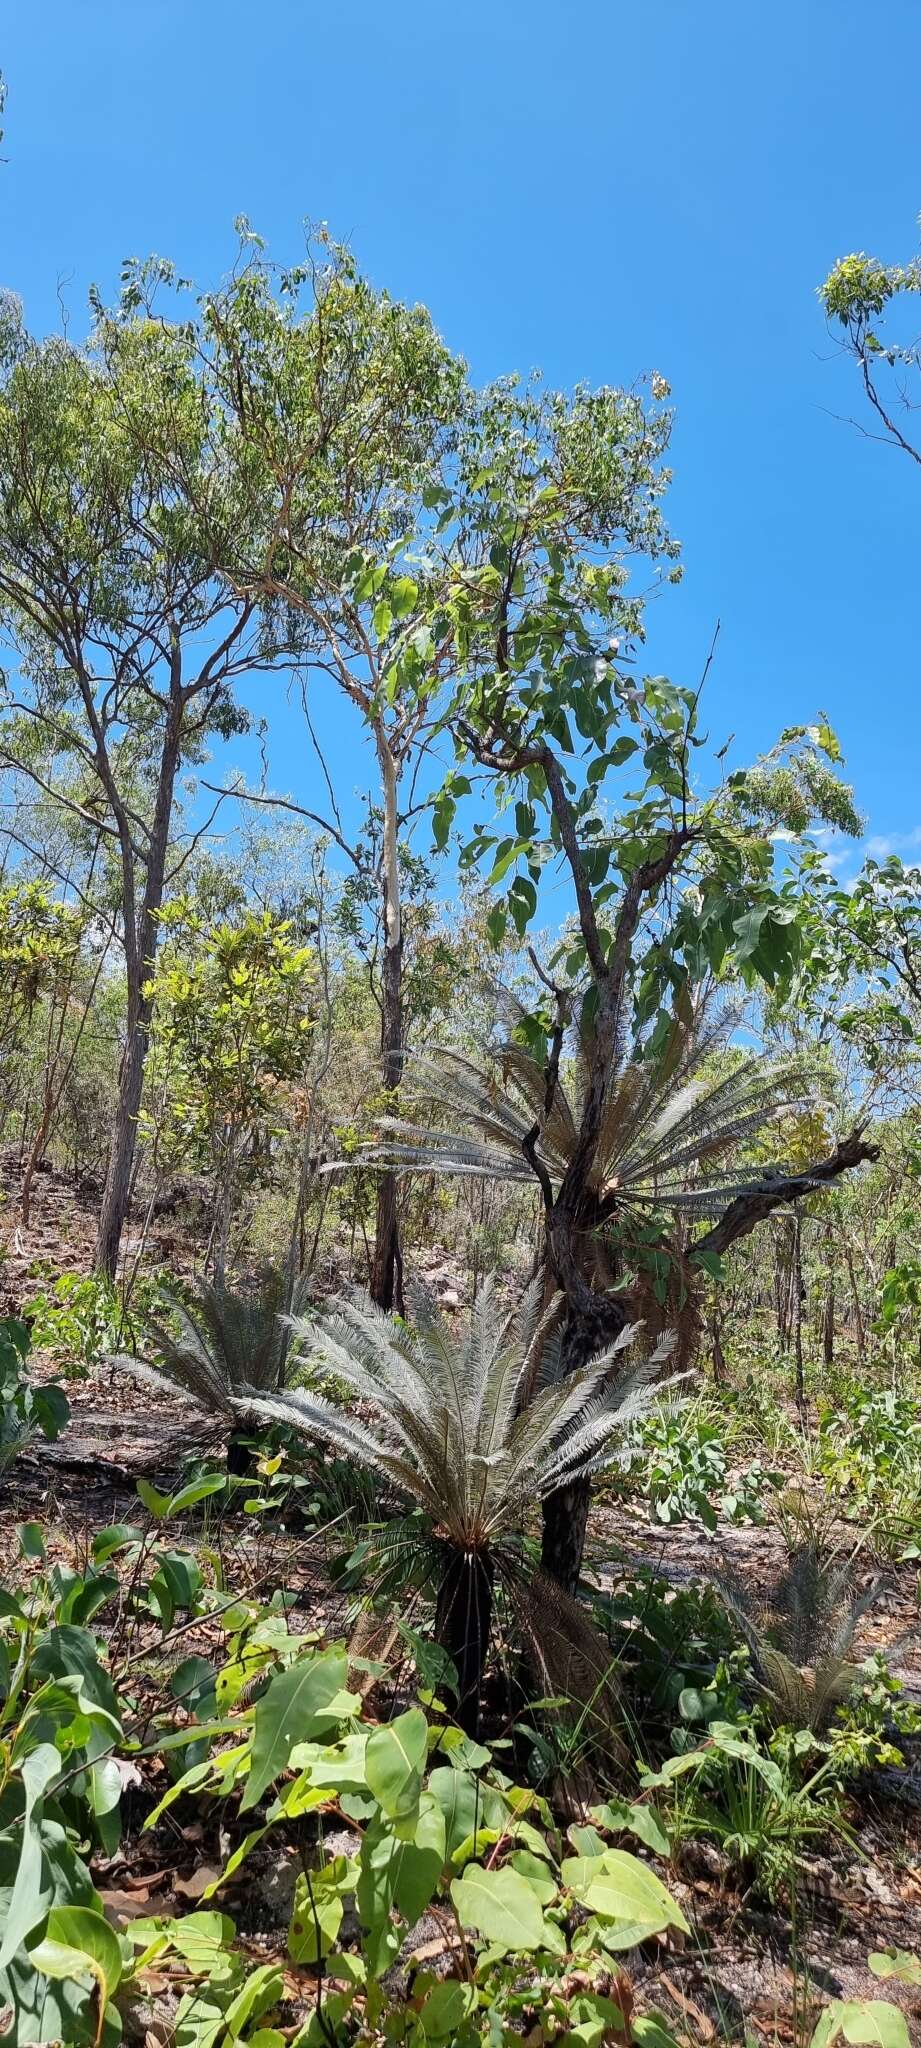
[(80, 1943), (895, 1962), (199, 1489), (156, 1503), (30, 1893), (292, 1710), (394, 1759), (621, 1889), (160, 1505), (31, 1539), (496, 921), (636, 1819), (403, 593), (501, 1905), (460, 1799), (262, 1990), (107, 1541), (862, 2021), (316, 1917)]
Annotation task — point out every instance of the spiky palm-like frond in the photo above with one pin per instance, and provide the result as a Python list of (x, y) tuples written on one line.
[(444, 1422), (800, 1632), (663, 1120), (223, 1342)]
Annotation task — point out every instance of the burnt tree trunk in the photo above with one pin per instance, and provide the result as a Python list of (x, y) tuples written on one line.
[(565, 1510), (463, 1619), (797, 1311)]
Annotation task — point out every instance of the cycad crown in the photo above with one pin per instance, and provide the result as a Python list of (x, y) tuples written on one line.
[(226, 1340), (801, 1633), (662, 1118), (450, 1426)]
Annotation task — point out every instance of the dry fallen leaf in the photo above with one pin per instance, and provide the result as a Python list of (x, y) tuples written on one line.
[(193, 1887)]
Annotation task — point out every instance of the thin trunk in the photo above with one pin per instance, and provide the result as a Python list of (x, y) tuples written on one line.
[(36, 1153), (855, 1299), (463, 1619), (140, 955), (387, 1262), (797, 1290), (719, 1356), (828, 1327)]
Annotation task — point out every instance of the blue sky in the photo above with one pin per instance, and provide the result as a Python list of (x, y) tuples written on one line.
[(599, 189)]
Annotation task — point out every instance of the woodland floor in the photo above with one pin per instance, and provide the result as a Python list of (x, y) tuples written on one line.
[(744, 1970)]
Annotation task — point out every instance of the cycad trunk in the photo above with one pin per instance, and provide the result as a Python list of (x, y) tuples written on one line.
[(463, 1619), (565, 1510), (565, 1516)]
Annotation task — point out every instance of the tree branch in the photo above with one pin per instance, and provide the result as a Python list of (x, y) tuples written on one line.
[(776, 1189)]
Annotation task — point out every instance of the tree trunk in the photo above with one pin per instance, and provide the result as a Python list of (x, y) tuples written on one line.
[(241, 1458), (463, 1619), (797, 1298), (387, 1261), (36, 1154), (828, 1327), (565, 1519), (565, 1510), (117, 1192), (140, 953), (719, 1356)]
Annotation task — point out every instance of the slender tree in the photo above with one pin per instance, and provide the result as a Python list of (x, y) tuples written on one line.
[(116, 512), (349, 402)]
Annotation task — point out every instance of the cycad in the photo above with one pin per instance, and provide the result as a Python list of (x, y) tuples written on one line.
[(447, 1425), (223, 1342), (663, 1120), (800, 1633)]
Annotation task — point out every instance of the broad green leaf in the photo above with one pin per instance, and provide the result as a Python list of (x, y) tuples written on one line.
[(198, 1489), (316, 1917), (444, 2010), (403, 593), (501, 1905), (622, 1817), (31, 1891), (394, 1760), (895, 1962), (292, 1710), (116, 1537), (78, 1943), (262, 1990), (621, 1889), (863, 2022), (536, 1874), (156, 1503)]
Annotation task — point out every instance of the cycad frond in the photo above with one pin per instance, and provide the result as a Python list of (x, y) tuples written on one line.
[(444, 1420), (663, 1122), (800, 1632), (224, 1341)]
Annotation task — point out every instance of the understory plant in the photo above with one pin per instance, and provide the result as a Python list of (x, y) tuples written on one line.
[(474, 1433), (28, 1407), (801, 1630), (679, 1462), (220, 1344)]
